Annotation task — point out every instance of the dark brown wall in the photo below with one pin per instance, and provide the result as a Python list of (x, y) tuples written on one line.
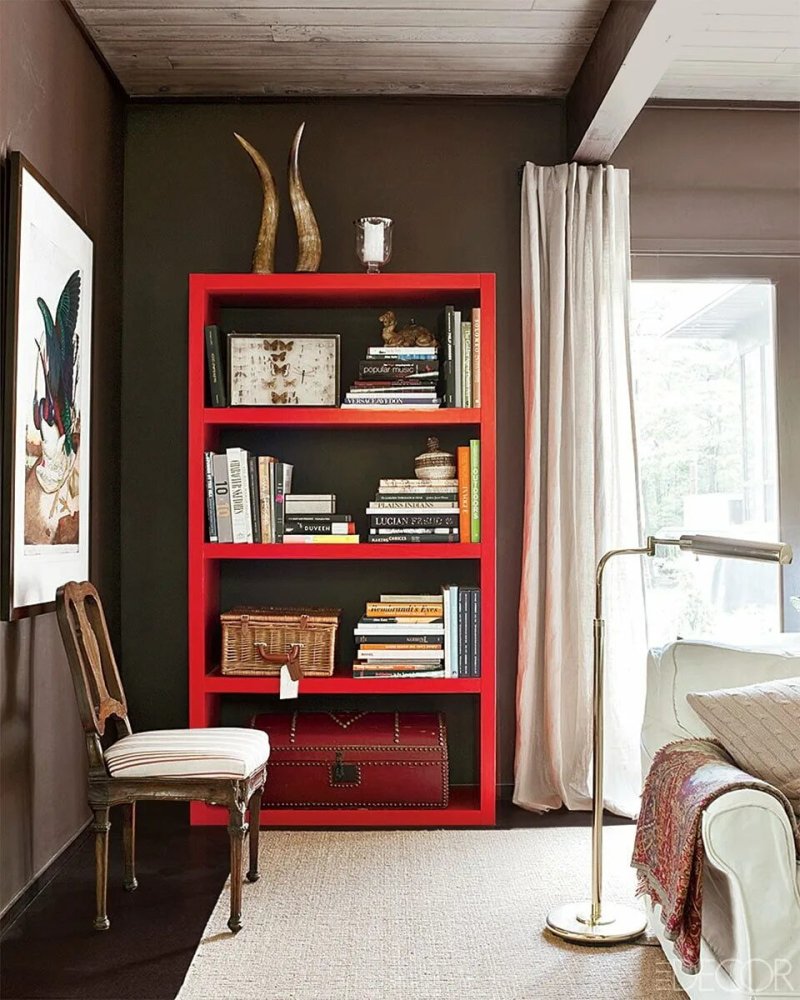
[(716, 194), (446, 172), (58, 108)]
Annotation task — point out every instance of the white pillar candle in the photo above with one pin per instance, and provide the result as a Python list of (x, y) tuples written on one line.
[(373, 242)]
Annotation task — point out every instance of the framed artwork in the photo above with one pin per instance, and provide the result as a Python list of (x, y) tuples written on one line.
[(47, 396), (290, 369)]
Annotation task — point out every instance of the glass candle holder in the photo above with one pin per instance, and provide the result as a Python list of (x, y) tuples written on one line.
[(373, 242)]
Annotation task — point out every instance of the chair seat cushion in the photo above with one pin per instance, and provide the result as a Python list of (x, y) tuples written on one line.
[(189, 753)]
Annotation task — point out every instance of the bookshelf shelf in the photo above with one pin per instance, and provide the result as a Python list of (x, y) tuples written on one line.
[(364, 550), (463, 809), (223, 574), (343, 683), (330, 417)]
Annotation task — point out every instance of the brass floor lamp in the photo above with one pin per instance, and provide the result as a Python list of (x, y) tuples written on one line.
[(595, 922)]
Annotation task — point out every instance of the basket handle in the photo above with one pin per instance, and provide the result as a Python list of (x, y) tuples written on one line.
[(289, 659)]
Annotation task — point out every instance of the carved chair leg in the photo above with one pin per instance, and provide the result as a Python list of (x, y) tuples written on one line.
[(254, 815), (237, 830), (101, 828), (129, 845)]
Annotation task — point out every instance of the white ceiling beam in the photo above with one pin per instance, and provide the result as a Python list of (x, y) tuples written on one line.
[(635, 43)]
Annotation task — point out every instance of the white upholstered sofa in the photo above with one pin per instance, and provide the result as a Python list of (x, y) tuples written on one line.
[(751, 904)]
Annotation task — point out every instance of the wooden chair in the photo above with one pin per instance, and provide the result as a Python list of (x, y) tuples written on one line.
[(219, 766)]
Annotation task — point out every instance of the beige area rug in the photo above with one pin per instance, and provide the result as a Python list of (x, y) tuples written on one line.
[(418, 915)]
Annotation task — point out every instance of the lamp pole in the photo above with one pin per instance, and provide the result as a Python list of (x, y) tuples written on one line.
[(596, 923)]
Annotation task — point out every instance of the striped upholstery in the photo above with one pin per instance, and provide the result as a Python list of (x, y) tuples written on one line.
[(189, 753)]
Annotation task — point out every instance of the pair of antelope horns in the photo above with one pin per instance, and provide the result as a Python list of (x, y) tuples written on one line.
[(309, 244)]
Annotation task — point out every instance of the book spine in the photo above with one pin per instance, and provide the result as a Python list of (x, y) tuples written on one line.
[(381, 609), (466, 354), (403, 538), (414, 497), (255, 498), (453, 629), (222, 499), (298, 526), (430, 520), (418, 484), (458, 363), (463, 633), (396, 369), (237, 481), (211, 507), (403, 353), (265, 511), (475, 490), (216, 380), (463, 493), (412, 507), (315, 518), (280, 509), (449, 357), (448, 652), (476, 356), (476, 632), (322, 539)]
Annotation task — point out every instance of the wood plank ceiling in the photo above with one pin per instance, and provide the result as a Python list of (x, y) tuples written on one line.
[(733, 49)]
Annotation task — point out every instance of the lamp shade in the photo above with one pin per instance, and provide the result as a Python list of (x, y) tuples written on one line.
[(737, 548)]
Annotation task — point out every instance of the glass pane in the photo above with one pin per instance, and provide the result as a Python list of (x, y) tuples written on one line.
[(704, 395)]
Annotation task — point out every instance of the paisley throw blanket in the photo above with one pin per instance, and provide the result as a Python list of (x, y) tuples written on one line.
[(668, 852)]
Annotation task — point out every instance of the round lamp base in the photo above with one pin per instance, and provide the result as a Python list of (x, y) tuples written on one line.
[(617, 923)]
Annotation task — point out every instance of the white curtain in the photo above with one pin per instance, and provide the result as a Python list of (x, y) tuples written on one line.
[(581, 490)]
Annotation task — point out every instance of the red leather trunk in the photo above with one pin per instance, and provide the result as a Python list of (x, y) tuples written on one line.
[(355, 759)]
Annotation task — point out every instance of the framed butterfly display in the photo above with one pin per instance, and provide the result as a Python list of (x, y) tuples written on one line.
[(270, 369), (47, 414)]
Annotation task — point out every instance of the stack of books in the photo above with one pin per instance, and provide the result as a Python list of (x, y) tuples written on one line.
[(401, 635), (249, 499), (462, 354), (312, 517), (421, 635), (415, 510), (405, 377)]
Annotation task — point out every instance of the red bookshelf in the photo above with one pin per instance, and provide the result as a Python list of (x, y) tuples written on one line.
[(209, 429)]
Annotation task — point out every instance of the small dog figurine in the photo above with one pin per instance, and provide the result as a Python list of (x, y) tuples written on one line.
[(412, 335)]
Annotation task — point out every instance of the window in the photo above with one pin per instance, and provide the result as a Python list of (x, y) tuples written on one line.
[(704, 397)]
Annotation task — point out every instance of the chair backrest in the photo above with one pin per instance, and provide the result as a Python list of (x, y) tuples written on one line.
[(95, 676)]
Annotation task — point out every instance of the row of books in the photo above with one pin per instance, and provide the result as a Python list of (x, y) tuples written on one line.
[(249, 499), (462, 354), (420, 635), (397, 377)]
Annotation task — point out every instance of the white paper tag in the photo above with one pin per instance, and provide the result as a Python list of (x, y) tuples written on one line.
[(289, 688)]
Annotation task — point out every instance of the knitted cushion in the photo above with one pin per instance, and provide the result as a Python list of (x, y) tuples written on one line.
[(759, 726)]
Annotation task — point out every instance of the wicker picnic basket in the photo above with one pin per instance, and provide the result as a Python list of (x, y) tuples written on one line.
[(249, 633)]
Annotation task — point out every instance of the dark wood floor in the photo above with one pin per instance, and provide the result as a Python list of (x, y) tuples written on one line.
[(50, 950)]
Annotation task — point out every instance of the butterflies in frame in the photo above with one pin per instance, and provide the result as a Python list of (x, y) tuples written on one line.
[(265, 369)]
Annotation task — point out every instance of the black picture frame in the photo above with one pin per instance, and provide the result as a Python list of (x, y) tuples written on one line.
[(16, 166)]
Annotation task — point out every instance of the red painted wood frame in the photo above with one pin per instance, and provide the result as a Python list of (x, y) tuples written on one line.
[(208, 294)]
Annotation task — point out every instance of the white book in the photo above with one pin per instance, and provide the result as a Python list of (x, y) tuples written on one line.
[(402, 352), (413, 598), (448, 652), (452, 626), (458, 362), (400, 628), (417, 655), (439, 485), (404, 673), (302, 497), (412, 508), (466, 367), (239, 495)]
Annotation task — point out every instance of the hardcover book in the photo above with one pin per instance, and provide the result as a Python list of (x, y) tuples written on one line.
[(222, 499), (211, 509), (216, 379), (237, 484)]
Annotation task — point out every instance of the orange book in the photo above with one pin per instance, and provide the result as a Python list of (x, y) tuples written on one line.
[(463, 495)]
